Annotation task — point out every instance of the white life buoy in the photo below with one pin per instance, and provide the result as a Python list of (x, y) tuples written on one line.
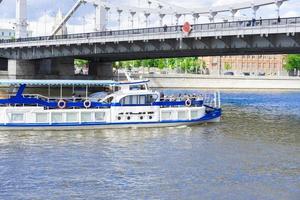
[(188, 103), (61, 104), (87, 103)]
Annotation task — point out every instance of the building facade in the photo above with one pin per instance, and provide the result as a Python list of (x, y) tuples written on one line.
[(271, 65), (7, 33)]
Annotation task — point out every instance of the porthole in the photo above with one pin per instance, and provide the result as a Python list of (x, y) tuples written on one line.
[(150, 117), (119, 118), (128, 118), (141, 117)]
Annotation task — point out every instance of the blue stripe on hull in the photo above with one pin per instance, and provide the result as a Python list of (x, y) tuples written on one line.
[(209, 116)]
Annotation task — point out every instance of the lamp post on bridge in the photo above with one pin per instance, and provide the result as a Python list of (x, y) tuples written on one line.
[(161, 16), (106, 18), (254, 10), (177, 18), (119, 17), (278, 4), (196, 17), (161, 19), (212, 15), (147, 19), (233, 13), (132, 13)]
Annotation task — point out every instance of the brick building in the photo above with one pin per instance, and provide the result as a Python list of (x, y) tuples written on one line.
[(271, 65)]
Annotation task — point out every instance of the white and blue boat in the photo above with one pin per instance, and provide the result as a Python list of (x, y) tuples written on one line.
[(129, 104)]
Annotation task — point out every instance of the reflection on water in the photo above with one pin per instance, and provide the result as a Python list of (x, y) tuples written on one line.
[(254, 153)]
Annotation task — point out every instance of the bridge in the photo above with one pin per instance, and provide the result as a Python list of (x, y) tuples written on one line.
[(227, 38), (56, 53)]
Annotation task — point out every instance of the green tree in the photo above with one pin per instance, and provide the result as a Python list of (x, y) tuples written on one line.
[(227, 66), (161, 64), (292, 62), (80, 63)]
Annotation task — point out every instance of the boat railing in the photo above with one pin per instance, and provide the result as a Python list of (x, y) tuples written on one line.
[(75, 99), (213, 100), (182, 98), (47, 99)]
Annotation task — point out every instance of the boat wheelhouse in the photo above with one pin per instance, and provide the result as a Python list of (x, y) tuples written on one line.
[(127, 104)]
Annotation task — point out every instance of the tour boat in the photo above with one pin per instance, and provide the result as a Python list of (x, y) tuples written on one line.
[(127, 104)]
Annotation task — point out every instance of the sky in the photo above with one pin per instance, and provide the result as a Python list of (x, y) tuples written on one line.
[(41, 13)]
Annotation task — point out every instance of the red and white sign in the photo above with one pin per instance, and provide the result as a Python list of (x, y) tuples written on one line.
[(186, 28)]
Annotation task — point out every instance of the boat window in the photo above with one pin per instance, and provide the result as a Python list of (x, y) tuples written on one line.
[(108, 100), (17, 117), (135, 99), (137, 87), (194, 114), (72, 117), (41, 117), (166, 115), (86, 117), (100, 116), (143, 99), (138, 99), (151, 99), (182, 115), (57, 117)]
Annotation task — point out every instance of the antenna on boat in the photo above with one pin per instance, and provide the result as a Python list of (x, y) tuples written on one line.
[(128, 76)]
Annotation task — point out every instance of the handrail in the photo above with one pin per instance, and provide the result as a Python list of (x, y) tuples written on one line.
[(168, 29)]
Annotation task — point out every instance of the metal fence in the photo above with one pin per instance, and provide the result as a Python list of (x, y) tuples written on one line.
[(166, 29)]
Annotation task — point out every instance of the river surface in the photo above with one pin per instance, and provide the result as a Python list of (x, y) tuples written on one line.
[(254, 153)]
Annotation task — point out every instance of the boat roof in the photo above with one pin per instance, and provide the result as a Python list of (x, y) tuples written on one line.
[(71, 82)]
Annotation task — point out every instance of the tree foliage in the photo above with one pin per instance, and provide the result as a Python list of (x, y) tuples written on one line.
[(292, 62), (188, 64), (80, 63), (227, 66)]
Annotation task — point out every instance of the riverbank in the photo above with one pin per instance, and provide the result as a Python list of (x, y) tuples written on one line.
[(192, 81)]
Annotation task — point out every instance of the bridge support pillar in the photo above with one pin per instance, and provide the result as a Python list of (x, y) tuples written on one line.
[(63, 68), (21, 69), (101, 70), (3, 64)]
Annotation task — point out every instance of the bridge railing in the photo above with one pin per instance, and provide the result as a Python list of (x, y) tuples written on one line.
[(167, 29)]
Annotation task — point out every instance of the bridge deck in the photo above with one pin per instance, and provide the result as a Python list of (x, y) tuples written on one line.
[(263, 27)]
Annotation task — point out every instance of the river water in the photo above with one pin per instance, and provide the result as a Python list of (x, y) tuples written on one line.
[(254, 153)]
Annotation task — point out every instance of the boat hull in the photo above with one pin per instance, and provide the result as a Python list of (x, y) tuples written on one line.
[(211, 116)]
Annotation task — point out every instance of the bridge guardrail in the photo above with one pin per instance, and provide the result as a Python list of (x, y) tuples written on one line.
[(165, 30)]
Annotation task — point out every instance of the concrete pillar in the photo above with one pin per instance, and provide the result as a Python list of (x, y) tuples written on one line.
[(44, 66), (21, 69), (21, 18), (3, 64), (58, 68), (101, 70), (63, 68), (101, 15)]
